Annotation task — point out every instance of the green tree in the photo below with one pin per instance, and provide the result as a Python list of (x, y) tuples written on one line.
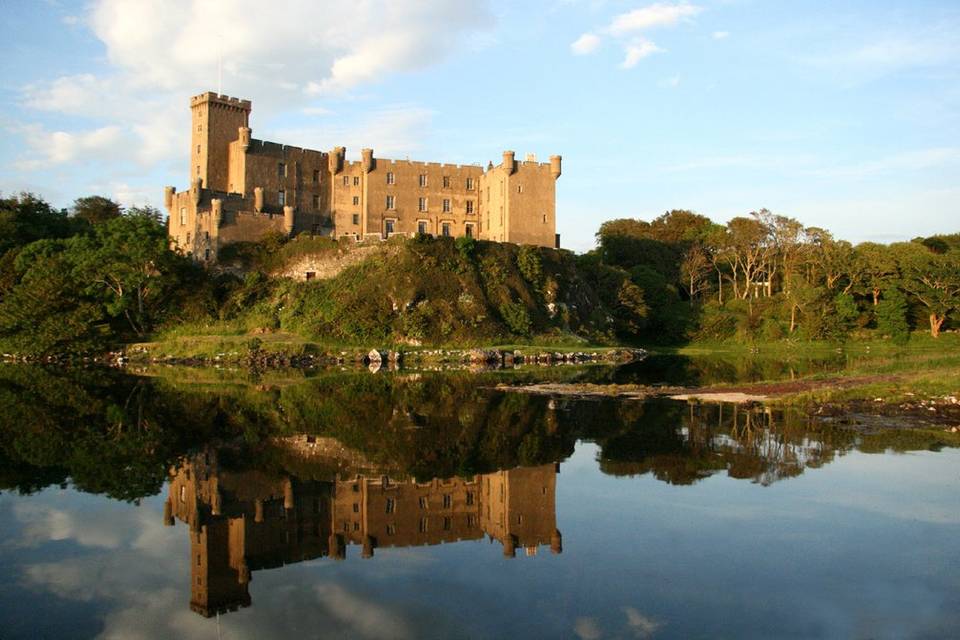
[(891, 314), (96, 209), (932, 278)]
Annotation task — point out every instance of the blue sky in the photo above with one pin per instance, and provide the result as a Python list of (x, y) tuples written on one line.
[(844, 115)]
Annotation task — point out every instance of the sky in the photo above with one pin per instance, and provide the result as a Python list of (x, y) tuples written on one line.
[(844, 115)]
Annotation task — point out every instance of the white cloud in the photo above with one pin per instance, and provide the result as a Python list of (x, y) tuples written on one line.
[(160, 52), (655, 15), (49, 148), (641, 625), (721, 35), (637, 50), (587, 629), (587, 43), (627, 27)]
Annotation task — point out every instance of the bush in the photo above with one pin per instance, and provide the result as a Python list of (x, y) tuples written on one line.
[(516, 318), (466, 246), (891, 314), (530, 265)]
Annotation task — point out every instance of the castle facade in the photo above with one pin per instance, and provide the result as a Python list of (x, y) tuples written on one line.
[(242, 189)]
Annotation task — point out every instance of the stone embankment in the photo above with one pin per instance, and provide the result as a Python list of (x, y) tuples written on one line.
[(392, 359)]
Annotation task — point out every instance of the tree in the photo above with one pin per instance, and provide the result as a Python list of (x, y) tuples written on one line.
[(874, 269), (891, 313), (25, 218), (96, 209), (932, 278)]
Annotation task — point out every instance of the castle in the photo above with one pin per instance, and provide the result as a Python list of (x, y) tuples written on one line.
[(242, 189)]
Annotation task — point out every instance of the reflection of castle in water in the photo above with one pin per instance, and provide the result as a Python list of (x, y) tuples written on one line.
[(241, 522)]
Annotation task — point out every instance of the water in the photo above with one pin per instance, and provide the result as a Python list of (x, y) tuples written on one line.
[(199, 504)]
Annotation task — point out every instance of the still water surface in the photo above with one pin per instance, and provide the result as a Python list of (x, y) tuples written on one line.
[(431, 506)]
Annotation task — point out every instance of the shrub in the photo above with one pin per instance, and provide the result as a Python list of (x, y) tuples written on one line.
[(891, 314), (516, 318), (466, 246), (530, 265)]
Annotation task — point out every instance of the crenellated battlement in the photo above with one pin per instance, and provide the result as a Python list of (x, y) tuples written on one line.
[(220, 100)]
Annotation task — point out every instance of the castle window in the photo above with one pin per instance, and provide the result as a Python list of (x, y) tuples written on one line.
[(346, 181), (206, 254), (281, 197), (468, 231), (423, 525), (316, 202), (447, 501), (356, 181), (356, 507), (423, 502), (356, 218), (183, 215), (309, 275), (469, 184), (316, 176), (422, 230), (198, 149), (447, 522), (446, 182), (391, 529), (356, 526), (469, 497), (391, 202), (469, 206), (390, 177), (391, 505), (544, 218), (281, 170), (422, 205), (388, 226), (423, 179), (519, 188), (446, 229), (446, 205), (356, 200), (471, 520)]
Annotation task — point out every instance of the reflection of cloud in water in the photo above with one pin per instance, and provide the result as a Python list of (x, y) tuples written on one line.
[(642, 626), (44, 523), (586, 629)]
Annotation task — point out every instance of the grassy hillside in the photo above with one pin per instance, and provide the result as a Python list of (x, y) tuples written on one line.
[(421, 291)]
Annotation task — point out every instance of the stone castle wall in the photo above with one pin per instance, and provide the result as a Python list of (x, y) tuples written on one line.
[(264, 187)]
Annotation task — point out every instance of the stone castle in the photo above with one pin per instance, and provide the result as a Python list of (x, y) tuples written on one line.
[(243, 189)]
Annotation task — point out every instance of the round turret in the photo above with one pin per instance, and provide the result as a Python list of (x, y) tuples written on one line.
[(258, 199), (168, 193), (216, 210), (555, 166), (195, 188), (367, 155), (510, 546), (245, 133), (288, 228), (509, 163), (335, 159), (168, 520)]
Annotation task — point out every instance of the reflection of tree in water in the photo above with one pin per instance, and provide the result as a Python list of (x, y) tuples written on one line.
[(117, 434), (683, 443)]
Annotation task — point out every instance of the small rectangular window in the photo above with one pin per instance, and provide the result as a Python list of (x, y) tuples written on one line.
[(391, 202), (316, 176), (356, 200), (183, 215), (309, 275), (198, 149), (468, 231), (423, 179), (519, 188), (281, 170), (469, 497), (446, 182), (469, 206), (316, 202), (423, 502), (388, 225), (356, 181), (446, 229), (422, 204), (346, 181), (389, 177), (422, 230), (447, 501), (423, 525), (469, 184), (391, 505), (391, 529), (356, 218), (356, 507), (447, 523), (446, 205), (281, 197)]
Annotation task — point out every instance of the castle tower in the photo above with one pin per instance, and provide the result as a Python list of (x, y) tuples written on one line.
[(216, 121)]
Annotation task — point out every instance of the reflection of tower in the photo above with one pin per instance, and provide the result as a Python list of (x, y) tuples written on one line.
[(241, 522), (518, 508)]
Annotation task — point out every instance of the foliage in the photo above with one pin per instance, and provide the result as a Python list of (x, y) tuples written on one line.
[(891, 313), (96, 209)]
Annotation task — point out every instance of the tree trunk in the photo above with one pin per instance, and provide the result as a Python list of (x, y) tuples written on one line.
[(876, 296), (935, 323), (793, 317)]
